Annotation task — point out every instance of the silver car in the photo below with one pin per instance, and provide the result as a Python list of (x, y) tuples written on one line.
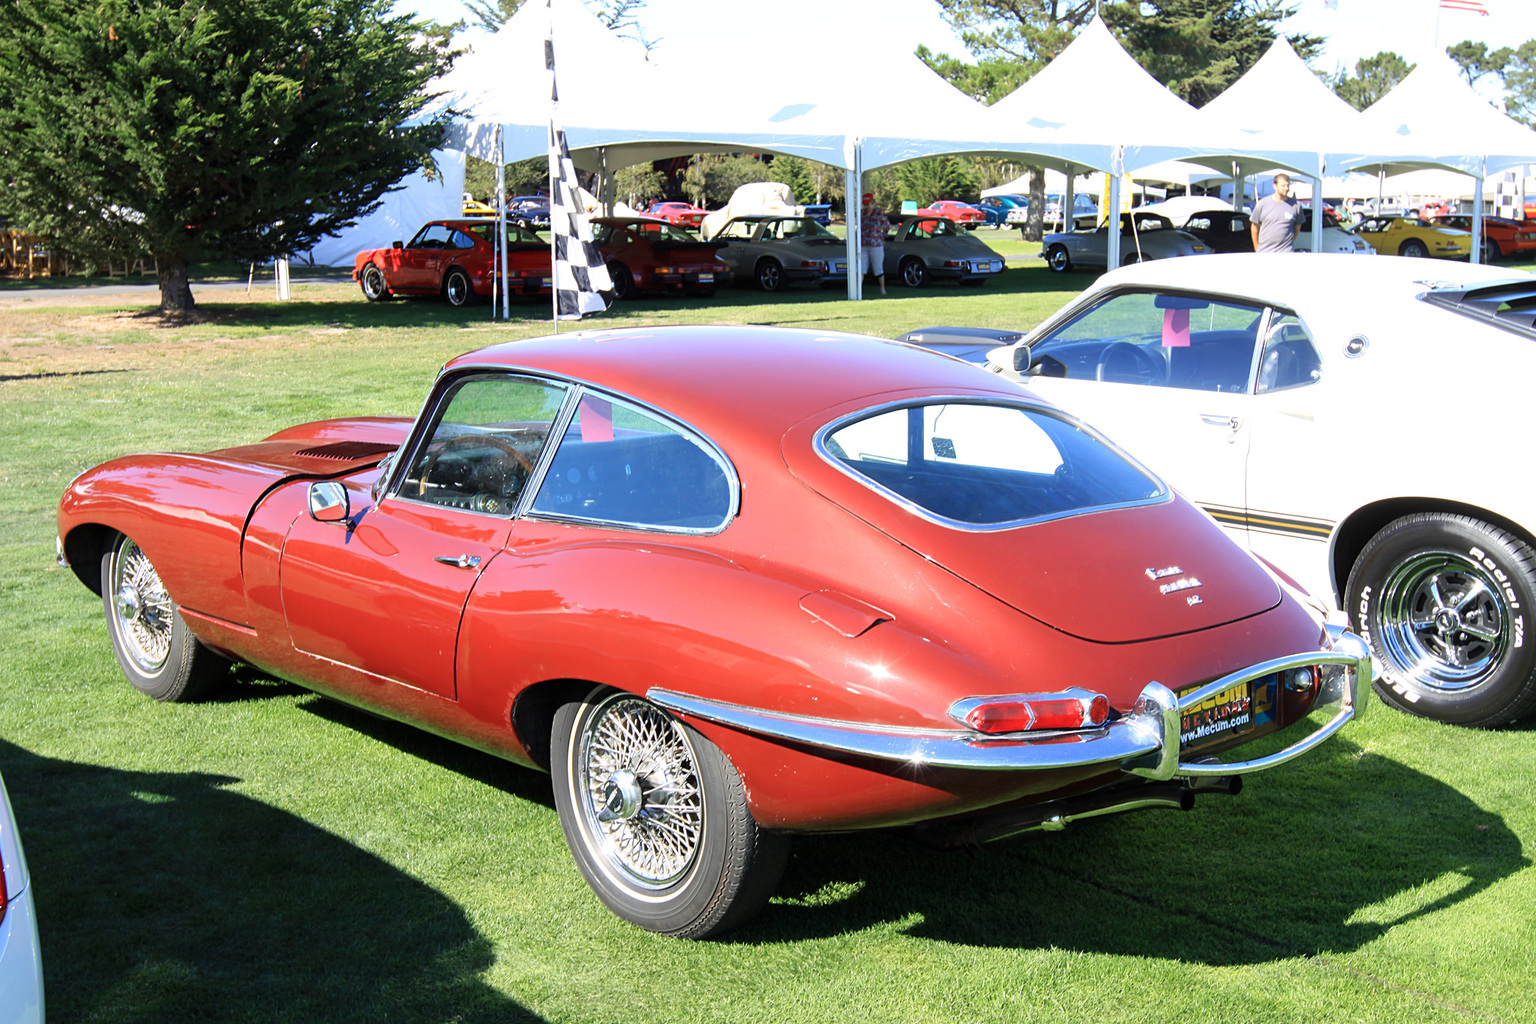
[(928, 248), (1143, 236), (775, 251)]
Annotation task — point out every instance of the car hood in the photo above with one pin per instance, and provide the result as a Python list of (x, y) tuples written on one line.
[(1115, 576)]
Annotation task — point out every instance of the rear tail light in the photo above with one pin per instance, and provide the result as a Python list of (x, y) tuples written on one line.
[(813, 264), (1070, 709)]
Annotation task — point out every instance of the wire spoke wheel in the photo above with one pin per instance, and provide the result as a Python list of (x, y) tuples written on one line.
[(142, 607), (643, 806)]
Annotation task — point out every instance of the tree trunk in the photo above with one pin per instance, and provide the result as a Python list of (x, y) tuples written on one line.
[(175, 289), (1034, 229)]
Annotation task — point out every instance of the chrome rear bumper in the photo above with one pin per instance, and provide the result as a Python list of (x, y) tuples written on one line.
[(1144, 742)]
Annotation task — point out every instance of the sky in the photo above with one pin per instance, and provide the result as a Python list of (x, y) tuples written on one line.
[(809, 29)]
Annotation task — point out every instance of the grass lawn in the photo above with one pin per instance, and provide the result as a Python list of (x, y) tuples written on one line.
[(274, 856)]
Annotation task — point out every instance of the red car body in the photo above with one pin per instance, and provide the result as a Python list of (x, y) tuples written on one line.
[(1501, 236), (681, 214), (964, 214), (680, 569), (457, 260), (648, 255)]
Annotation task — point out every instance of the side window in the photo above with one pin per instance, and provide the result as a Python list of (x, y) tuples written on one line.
[(482, 446), (625, 466), (1176, 341), (461, 240), (1289, 359), (433, 236)]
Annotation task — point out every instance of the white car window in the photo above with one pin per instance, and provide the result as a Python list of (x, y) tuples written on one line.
[(1174, 341)]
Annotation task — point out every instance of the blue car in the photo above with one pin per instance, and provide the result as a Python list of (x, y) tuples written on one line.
[(997, 208)]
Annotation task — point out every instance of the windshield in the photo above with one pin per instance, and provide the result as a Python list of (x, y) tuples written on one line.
[(982, 464)]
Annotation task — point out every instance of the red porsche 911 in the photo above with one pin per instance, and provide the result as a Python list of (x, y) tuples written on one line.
[(457, 260), (726, 585)]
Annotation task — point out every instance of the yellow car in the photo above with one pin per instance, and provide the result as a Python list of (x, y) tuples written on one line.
[(1410, 236), (474, 208)]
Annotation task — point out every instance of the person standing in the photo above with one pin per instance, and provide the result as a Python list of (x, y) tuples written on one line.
[(1276, 219), (873, 225)]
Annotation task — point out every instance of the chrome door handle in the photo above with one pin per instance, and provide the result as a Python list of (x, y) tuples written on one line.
[(459, 561), (1215, 420)]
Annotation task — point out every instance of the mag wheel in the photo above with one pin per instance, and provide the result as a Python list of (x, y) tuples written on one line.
[(375, 288), (657, 819), (1413, 247), (1444, 601), (1058, 260), (770, 276), (457, 289), (156, 650), (913, 272)]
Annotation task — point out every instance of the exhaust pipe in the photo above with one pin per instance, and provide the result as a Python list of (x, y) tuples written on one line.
[(1058, 814)]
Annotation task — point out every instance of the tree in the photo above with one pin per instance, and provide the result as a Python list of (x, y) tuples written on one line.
[(1374, 77), (1475, 61), (619, 15), (1195, 47), (711, 178), (939, 177), (1517, 70), (193, 128)]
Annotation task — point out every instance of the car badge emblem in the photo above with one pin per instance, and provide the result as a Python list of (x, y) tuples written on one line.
[(1187, 583), (1157, 574)]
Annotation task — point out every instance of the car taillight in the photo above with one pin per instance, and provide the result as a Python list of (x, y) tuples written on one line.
[(1071, 709), (953, 263), (813, 264)]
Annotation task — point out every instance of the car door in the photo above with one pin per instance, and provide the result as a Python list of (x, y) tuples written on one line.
[(1167, 377), (422, 260), (384, 594)]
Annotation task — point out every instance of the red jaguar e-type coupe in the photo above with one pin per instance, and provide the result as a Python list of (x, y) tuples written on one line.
[(457, 260), (728, 584)]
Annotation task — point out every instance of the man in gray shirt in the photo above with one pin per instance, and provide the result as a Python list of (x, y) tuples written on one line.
[(1275, 219)]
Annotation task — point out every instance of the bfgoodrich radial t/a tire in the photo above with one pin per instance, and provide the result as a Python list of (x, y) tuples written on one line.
[(1445, 601), (156, 650), (657, 820)]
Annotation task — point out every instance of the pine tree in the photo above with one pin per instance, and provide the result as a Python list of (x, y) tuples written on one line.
[(195, 128), (1374, 77)]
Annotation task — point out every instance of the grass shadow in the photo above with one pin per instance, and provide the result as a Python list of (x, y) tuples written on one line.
[(154, 898), (1304, 863)]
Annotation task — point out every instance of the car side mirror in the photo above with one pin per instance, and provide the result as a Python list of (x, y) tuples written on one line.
[(328, 503), (397, 244), (1022, 358)]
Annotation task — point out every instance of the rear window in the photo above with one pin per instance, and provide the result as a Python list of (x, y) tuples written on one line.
[(977, 464)]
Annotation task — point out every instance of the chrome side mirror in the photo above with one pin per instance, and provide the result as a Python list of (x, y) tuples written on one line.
[(328, 503), (1021, 358)]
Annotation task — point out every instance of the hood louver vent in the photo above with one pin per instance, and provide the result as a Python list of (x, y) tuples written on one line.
[(346, 451)]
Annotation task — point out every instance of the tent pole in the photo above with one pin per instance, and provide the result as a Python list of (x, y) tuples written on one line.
[(1069, 201), (1112, 215), (1317, 210), (499, 285), (853, 194), (1477, 215)]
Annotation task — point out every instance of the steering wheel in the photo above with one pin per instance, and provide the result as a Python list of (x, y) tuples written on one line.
[(1124, 363), (465, 441)]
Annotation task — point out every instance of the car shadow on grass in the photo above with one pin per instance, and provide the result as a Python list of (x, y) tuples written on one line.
[(1308, 860), (166, 896)]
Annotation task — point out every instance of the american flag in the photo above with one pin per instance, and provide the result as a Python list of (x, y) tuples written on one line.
[(1474, 6), (581, 284)]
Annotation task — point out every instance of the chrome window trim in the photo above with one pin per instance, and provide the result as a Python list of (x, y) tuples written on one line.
[(578, 392), (819, 445)]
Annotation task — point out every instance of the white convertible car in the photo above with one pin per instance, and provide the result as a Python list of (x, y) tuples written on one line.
[(1360, 424)]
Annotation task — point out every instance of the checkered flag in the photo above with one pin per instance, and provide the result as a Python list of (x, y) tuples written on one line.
[(582, 284)]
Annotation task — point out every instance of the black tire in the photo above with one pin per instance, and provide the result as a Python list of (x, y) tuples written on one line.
[(623, 281), (914, 273), (1057, 258), (457, 291), (375, 287), (1134, 256), (1443, 601), (770, 275), (709, 869), (1413, 247), (1491, 250), (154, 647)]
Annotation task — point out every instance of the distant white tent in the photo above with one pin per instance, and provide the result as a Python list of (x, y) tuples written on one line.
[(401, 213)]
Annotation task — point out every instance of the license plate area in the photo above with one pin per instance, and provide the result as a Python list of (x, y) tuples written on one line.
[(1223, 715)]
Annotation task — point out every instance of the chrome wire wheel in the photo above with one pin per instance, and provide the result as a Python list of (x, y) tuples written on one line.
[(642, 805), (144, 612), (1443, 621)]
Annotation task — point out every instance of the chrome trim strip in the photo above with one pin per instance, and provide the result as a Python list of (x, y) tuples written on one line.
[(1145, 742)]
